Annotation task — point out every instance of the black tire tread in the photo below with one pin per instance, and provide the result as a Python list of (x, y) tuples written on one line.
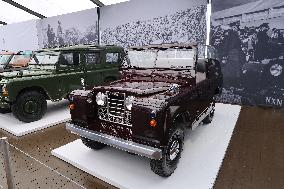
[(16, 109), (92, 144), (159, 166)]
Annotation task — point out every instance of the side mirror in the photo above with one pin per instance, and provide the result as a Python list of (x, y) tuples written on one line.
[(201, 66)]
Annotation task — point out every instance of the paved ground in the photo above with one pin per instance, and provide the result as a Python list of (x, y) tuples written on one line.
[(254, 159)]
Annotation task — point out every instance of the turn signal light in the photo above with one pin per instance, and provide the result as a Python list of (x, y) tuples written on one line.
[(153, 123), (72, 106)]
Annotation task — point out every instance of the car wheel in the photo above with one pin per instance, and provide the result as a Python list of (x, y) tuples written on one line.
[(171, 155), (208, 119), (29, 106), (5, 110), (92, 144)]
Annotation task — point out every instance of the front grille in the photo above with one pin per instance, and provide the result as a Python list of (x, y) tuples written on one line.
[(114, 111), (115, 102)]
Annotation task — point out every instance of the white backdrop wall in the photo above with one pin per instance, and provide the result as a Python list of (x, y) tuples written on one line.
[(20, 36), (137, 22), (69, 29)]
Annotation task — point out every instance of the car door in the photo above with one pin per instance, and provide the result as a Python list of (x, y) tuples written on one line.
[(112, 61), (93, 68), (69, 73)]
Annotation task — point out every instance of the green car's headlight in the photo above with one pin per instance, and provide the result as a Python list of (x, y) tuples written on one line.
[(4, 90)]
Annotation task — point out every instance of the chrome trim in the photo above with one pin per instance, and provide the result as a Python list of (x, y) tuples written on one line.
[(140, 149), (202, 116), (115, 111)]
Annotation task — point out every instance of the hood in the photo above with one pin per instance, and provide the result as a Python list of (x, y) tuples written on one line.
[(137, 88)]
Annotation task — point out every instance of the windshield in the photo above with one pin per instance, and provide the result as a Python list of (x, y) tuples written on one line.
[(4, 58), (45, 58), (19, 59), (170, 58)]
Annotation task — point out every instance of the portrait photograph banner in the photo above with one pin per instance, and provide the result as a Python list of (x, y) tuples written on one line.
[(137, 23), (69, 29), (249, 38)]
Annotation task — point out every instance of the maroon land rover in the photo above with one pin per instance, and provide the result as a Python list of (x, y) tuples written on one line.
[(163, 90)]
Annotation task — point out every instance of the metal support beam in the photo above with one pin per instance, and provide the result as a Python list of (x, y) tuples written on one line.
[(3, 23), (17, 5), (98, 3), (7, 163)]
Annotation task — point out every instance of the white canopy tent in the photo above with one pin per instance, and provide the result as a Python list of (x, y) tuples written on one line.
[(14, 11)]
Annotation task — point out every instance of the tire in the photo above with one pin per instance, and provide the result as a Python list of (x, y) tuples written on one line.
[(92, 144), (167, 165), (5, 110), (208, 119), (29, 106)]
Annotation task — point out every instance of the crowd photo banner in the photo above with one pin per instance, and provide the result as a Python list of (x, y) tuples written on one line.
[(249, 38), (137, 23), (69, 29)]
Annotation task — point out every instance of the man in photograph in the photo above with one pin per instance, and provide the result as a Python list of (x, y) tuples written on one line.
[(235, 57), (60, 34), (262, 46)]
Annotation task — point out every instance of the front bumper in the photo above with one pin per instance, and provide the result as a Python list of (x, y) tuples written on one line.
[(140, 149), (3, 104)]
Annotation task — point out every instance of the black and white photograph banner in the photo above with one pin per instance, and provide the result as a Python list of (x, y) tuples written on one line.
[(249, 38), (137, 23), (69, 29)]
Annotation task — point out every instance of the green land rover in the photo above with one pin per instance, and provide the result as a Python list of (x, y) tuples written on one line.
[(53, 73)]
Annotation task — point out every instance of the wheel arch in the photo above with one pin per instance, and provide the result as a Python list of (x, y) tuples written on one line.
[(35, 88)]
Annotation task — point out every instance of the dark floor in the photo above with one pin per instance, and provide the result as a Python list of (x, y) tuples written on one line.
[(255, 156), (254, 159)]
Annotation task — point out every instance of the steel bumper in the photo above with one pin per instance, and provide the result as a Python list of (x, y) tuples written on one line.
[(140, 149), (4, 105)]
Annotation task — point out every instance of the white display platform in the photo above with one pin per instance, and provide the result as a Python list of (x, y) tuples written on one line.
[(204, 150), (57, 112)]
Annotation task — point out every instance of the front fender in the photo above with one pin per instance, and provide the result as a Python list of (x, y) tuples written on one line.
[(18, 85)]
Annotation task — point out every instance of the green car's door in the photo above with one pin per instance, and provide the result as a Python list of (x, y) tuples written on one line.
[(70, 73), (93, 68), (113, 61)]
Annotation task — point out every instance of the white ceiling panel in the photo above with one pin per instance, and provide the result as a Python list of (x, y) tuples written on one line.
[(50, 8), (11, 14), (110, 2)]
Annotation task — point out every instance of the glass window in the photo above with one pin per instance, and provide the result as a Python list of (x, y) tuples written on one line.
[(69, 59), (45, 58), (92, 58), (175, 58), (112, 58)]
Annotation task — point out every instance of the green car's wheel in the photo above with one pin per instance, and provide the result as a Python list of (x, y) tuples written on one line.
[(29, 106), (5, 110)]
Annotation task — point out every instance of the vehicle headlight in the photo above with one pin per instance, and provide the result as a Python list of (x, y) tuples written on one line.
[(128, 102), (276, 70), (101, 99), (4, 90)]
